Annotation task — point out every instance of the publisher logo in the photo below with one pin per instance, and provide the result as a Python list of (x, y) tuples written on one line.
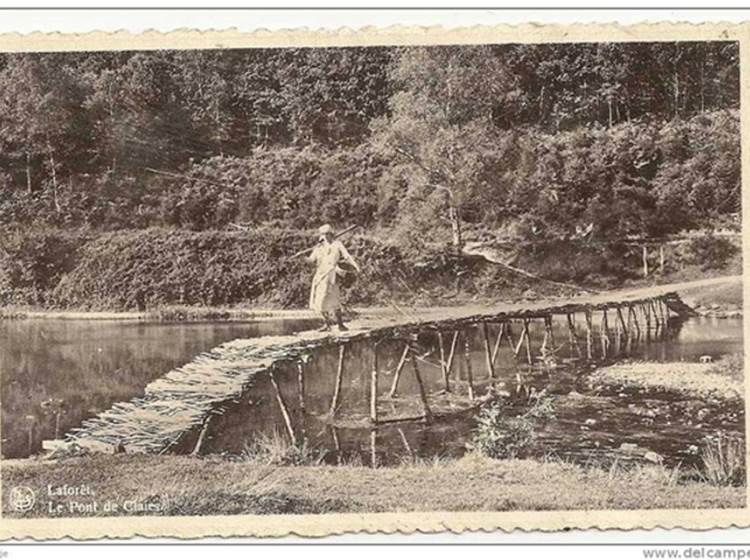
[(22, 498)]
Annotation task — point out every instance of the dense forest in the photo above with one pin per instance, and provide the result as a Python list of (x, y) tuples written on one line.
[(420, 143)]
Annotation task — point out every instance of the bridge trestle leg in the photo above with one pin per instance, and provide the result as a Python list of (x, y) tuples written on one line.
[(373, 448), (488, 351), (427, 413), (467, 362), (572, 335), (283, 407), (301, 394), (589, 334), (498, 340), (604, 332), (443, 363), (527, 341), (509, 336), (647, 313), (374, 386), (451, 358), (397, 375), (337, 388), (633, 313)]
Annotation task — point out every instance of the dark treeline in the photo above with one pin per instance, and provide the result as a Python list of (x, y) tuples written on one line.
[(632, 138)]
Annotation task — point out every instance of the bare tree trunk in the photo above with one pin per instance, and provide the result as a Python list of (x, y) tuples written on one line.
[(703, 83), (28, 172), (53, 172), (455, 217), (541, 104)]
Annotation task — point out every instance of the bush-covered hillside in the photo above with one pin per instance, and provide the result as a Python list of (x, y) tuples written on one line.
[(123, 175)]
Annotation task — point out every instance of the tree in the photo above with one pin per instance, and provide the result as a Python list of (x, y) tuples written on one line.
[(440, 125), (40, 107)]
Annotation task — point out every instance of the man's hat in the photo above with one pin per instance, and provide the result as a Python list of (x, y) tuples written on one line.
[(324, 229)]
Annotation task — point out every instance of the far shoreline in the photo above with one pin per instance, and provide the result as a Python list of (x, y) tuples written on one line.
[(719, 297)]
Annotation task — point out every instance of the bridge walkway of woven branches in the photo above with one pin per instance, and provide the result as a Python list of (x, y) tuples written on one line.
[(177, 409)]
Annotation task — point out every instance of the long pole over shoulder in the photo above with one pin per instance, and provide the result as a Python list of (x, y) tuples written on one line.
[(310, 249)]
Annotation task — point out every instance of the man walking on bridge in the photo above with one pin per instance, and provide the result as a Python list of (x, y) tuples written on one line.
[(325, 296)]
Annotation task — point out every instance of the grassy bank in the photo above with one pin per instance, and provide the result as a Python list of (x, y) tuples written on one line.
[(720, 300), (723, 379), (172, 271), (210, 486)]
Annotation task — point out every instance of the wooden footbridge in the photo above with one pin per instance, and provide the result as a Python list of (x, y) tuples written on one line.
[(176, 410)]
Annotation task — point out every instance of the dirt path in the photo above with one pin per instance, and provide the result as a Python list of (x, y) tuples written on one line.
[(435, 313)]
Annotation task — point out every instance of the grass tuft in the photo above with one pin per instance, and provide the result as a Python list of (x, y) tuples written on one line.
[(276, 449), (723, 458)]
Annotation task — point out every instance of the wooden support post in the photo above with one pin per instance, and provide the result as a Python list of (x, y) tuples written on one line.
[(488, 351), (337, 387), (202, 435), (589, 335), (645, 261), (605, 333), (335, 437), (374, 386), (647, 312), (617, 330), (284, 409), (467, 361), (550, 330), (509, 336), (496, 349), (522, 339), (622, 321), (633, 311), (451, 357), (572, 334), (422, 393), (373, 448), (443, 362), (657, 320), (661, 259), (664, 315), (301, 392), (528, 341), (405, 441), (658, 312), (399, 368)]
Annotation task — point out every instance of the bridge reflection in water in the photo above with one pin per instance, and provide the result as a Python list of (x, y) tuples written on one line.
[(416, 371)]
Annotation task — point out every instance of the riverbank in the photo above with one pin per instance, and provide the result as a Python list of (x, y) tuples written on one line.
[(725, 291), (215, 486), (723, 379), (719, 300)]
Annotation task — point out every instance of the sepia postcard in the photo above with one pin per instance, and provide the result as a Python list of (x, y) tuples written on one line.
[(383, 280)]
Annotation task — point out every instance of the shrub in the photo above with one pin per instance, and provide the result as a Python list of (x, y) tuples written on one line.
[(33, 262), (709, 252), (502, 437)]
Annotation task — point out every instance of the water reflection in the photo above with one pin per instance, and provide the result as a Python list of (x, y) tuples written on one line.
[(55, 373), (586, 423)]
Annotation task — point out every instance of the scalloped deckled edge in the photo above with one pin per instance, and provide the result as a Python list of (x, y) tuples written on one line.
[(389, 523), (368, 36)]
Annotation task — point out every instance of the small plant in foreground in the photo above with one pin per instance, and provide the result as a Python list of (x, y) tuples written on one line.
[(501, 437), (276, 449), (723, 459)]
